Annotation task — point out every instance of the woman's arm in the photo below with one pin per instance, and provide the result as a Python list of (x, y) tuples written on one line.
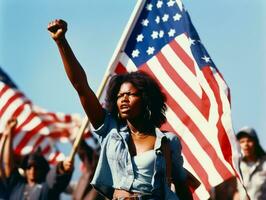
[(76, 74), (8, 154)]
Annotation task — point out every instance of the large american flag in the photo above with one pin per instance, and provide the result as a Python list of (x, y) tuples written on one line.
[(161, 41), (36, 126)]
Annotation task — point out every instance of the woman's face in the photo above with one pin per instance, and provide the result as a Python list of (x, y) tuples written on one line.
[(129, 102), (247, 146)]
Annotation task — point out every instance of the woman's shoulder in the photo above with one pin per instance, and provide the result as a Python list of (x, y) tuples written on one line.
[(171, 135), (173, 139)]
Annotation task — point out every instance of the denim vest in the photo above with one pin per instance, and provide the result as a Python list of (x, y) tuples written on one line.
[(115, 170)]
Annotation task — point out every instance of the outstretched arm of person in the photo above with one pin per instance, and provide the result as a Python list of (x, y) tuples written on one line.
[(76, 74), (8, 154), (2, 143)]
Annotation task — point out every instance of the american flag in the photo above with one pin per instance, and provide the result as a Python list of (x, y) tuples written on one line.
[(36, 126), (161, 41)]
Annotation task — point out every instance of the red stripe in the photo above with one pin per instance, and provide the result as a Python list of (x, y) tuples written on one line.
[(27, 120), (202, 104), (3, 90), (186, 119), (120, 69), (38, 142), (193, 161), (223, 139), (9, 102), (46, 149), (186, 59), (19, 109), (53, 160), (27, 137)]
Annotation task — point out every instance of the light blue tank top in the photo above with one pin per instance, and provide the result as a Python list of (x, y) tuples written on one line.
[(143, 167)]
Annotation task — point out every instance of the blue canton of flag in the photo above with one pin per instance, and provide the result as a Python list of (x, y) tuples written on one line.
[(4, 78), (159, 23)]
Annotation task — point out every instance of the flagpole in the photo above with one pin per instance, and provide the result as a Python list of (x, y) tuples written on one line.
[(121, 44), (113, 62)]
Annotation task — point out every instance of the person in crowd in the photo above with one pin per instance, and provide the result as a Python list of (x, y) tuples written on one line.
[(89, 158), (132, 164), (10, 126), (252, 166), (40, 182)]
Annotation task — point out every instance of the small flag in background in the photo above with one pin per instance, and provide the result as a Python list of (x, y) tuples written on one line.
[(161, 40), (36, 127)]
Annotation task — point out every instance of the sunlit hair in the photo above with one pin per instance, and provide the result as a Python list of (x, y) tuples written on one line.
[(150, 92)]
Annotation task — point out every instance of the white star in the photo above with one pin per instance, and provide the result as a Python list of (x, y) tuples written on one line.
[(157, 20), (191, 42), (177, 17), (206, 59), (135, 53), (154, 34), (165, 17), (149, 7), (161, 33), (140, 38), (171, 33), (159, 4), (170, 3), (150, 50), (145, 22)]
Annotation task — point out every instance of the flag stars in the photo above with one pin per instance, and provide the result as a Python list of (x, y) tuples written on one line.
[(191, 41), (159, 4), (149, 7), (150, 50), (206, 59), (170, 3), (165, 17), (177, 17), (161, 33), (135, 53), (154, 34), (140, 38), (172, 32), (157, 20), (145, 22)]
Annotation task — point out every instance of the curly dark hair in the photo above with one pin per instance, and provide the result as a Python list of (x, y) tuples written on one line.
[(150, 92)]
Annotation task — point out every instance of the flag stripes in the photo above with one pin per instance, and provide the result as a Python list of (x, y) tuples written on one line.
[(36, 127)]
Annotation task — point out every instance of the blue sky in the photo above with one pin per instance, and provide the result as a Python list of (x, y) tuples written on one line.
[(232, 31)]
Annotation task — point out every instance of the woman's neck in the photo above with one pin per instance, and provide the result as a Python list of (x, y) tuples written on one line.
[(140, 127), (251, 158)]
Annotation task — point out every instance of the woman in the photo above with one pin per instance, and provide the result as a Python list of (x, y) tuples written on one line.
[(252, 166), (131, 163), (39, 182)]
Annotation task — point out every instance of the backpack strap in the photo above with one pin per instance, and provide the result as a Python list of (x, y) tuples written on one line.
[(167, 156)]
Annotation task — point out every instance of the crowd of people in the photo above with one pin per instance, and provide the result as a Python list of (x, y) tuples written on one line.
[(136, 160)]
